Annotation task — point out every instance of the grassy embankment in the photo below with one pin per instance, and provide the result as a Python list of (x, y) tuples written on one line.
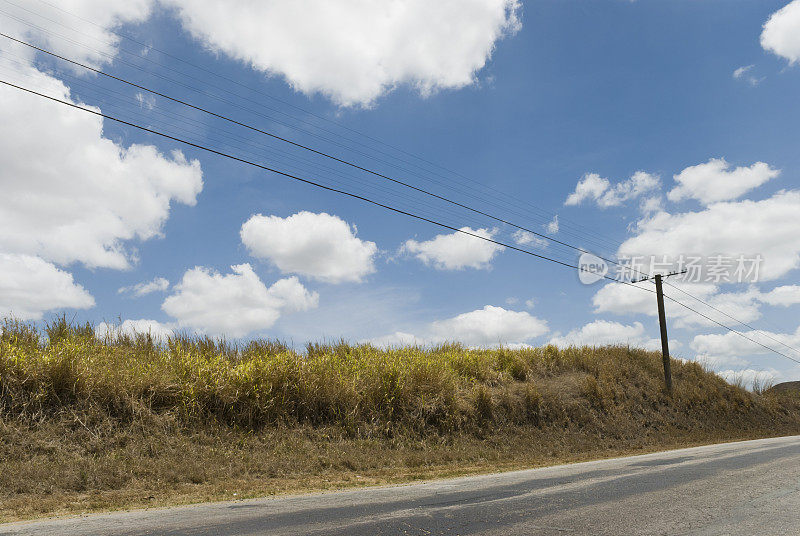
[(89, 424)]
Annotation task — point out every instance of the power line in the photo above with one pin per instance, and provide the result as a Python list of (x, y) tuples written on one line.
[(361, 168), (365, 199), (240, 84), (731, 329), (302, 146), (732, 317), (170, 124), (306, 181), (205, 93), (370, 201)]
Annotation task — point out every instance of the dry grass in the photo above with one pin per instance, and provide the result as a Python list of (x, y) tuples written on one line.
[(90, 424)]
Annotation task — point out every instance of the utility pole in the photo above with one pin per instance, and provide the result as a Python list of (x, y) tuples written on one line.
[(662, 321)]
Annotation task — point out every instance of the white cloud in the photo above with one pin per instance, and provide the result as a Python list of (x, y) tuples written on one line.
[(354, 51), (90, 19), (351, 51), (291, 296), (529, 303), (157, 330), (781, 34), (490, 326), (455, 251), (769, 227), (732, 345), (234, 304), (749, 378), (599, 189), (591, 186), (741, 71), (83, 200), (78, 201), (159, 284), (525, 238), (396, 339), (785, 295), (651, 205), (320, 246), (552, 226), (715, 181), (746, 73), (718, 361), (30, 286), (604, 332), (617, 298), (146, 101)]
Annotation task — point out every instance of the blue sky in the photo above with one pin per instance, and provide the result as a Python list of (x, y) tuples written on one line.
[(518, 105)]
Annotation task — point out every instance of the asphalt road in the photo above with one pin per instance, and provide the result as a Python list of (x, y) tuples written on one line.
[(746, 488)]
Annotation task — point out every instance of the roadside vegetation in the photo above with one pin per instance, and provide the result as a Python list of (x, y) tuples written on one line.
[(89, 423)]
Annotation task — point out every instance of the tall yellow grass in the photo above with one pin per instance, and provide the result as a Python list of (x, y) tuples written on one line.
[(359, 387)]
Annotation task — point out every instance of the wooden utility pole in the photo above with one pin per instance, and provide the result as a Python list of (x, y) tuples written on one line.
[(662, 320)]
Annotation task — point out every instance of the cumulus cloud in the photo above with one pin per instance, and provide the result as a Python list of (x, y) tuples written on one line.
[(784, 295), (781, 34), (604, 332), (746, 73), (595, 188), (455, 251), (234, 304), (768, 227), (617, 298), (159, 284), (591, 186), (732, 345), (525, 238), (397, 339), (351, 51), (146, 101), (157, 330), (750, 378), (650, 205), (30, 286), (320, 246), (552, 226), (720, 361), (91, 19), (79, 201), (741, 71), (489, 326), (716, 181), (486, 327)]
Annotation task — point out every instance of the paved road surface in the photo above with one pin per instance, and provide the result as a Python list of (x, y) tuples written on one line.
[(747, 488)]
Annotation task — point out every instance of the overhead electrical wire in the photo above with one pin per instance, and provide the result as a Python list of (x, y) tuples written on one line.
[(564, 222), (367, 170), (303, 180), (376, 203), (188, 133), (739, 333), (304, 147), (731, 317)]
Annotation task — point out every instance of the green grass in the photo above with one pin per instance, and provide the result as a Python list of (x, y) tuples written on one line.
[(92, 424)]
